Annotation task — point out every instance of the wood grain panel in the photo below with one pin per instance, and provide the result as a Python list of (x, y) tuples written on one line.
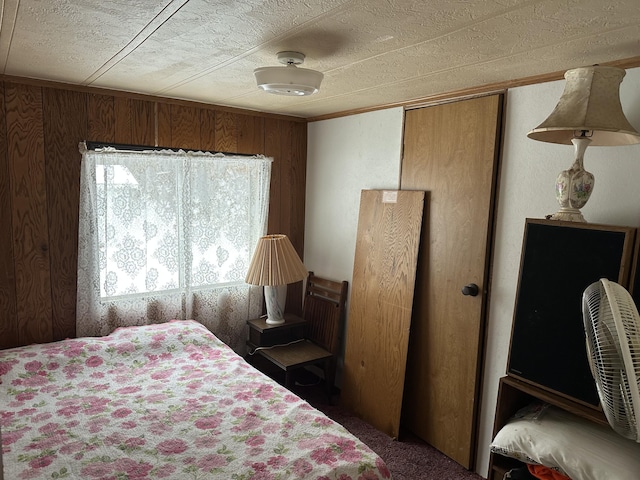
[(185, 127), (283, 142), (101, 121), (285, 162), (143, 123), (163, 121), (251, 134), (29, 218), (122, 110), (272, 148), (298, 179), (207, 129), (291, 200), (382, 289), (65, 125), (226, 132), (441, 397), (8, 318)]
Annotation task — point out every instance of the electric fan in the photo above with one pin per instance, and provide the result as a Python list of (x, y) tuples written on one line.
[(612, 328)]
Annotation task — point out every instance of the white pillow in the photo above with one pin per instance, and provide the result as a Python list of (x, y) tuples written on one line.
[(578, 448)]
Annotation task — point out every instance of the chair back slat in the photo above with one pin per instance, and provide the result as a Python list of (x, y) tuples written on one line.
[(323, 309), (327, 289), (322, 322)]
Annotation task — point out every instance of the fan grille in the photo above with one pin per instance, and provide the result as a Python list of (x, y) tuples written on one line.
[(612, 326)]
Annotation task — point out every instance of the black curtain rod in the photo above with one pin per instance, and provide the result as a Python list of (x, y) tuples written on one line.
[(138, 148)]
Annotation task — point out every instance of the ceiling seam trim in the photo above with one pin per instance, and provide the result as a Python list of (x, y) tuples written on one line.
[(561, 42), (163, 16), (475, 64), (330, 13), (6, 46), (443, 35)]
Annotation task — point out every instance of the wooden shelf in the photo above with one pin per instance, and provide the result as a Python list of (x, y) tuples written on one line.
[(261, 334), (595, 414), (514, 394)]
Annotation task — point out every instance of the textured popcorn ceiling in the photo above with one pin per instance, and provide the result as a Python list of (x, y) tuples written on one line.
[(372, 52)]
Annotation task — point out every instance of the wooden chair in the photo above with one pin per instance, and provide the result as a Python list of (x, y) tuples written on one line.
[(323, 310)]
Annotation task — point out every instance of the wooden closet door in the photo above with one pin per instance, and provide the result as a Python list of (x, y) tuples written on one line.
[(382, 290), (451, 151)]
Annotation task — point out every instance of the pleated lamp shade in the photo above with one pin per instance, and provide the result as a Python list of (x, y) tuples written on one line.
[(275, 262)]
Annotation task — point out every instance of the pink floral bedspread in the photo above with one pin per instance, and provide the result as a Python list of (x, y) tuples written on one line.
[(163, 401)]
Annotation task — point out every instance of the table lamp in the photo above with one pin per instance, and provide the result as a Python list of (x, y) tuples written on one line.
[(275, 264), (588, 113)]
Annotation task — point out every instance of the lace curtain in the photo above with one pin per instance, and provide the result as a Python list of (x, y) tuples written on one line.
[(165, 234)]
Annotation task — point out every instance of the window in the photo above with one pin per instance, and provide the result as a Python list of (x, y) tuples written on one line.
[(167, 234)]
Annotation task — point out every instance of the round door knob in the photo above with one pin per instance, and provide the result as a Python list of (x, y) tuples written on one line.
[(471, 289)]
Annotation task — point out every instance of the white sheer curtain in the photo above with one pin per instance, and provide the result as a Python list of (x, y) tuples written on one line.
[(167, 234)]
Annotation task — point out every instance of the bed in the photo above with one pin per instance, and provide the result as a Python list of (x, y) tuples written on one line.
[(163, 401)]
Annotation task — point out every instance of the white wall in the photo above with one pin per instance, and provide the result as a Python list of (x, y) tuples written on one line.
[(348, 154), (345, 156)]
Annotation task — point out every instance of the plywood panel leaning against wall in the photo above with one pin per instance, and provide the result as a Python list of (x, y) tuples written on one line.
[(382, 289), (450, 150), (41, 125)]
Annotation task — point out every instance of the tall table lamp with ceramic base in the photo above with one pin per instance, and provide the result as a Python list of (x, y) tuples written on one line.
[(275, 264), (588, 113)]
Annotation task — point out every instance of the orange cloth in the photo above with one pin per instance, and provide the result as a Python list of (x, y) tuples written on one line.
[(545, 473)]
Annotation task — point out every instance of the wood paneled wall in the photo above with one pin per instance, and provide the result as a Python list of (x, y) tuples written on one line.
[(41, 125)]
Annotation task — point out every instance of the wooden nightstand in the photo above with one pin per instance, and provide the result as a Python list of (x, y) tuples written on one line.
[(284, 347), (263, 335)]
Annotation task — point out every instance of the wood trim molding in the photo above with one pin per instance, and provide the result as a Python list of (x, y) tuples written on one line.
[(443, 97), (139, 96), (480, 90)]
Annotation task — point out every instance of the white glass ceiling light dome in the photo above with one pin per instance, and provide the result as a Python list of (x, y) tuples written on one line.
[(289, 80)]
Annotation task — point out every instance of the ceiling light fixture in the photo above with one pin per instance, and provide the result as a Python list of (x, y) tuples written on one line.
[(289, 80)]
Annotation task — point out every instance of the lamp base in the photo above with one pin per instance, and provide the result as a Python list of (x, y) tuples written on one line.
[(275, 298), (574, 185), (274, 321), (568, 215)]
